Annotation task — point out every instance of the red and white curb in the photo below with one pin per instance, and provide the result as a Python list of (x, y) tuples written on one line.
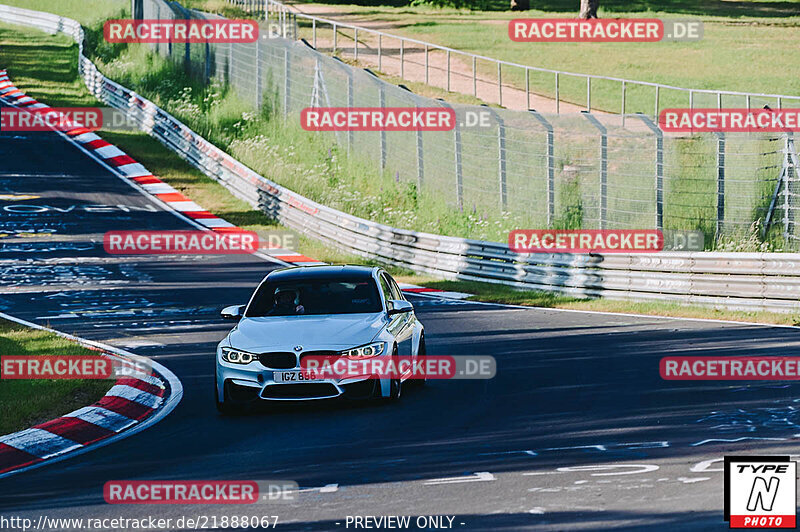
[(134, 403), (137, 175), (421, 290)]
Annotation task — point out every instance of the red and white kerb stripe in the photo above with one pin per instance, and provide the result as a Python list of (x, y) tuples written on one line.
[(137, 173), (128, 402)]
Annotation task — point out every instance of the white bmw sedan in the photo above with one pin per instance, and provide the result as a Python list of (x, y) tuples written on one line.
[(355, 313)]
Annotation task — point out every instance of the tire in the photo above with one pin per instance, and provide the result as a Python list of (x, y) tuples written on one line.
[(396, 385), (421, 354)]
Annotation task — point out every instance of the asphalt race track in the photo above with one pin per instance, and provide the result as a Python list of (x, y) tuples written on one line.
[(577, 430)]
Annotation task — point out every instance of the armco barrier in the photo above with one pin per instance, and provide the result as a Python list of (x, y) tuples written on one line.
[(747, 281)]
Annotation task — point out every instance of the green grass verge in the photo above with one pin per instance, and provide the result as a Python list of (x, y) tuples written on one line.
[(28, 402), (496, 293)]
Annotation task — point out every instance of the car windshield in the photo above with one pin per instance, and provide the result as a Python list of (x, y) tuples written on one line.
[(314, 297)]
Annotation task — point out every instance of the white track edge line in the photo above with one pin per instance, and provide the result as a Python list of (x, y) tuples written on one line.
[(175, 396)]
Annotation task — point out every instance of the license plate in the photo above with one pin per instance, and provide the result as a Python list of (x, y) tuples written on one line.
[(296, 376)]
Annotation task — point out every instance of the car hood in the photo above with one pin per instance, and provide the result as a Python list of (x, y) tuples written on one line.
[(312, 332)]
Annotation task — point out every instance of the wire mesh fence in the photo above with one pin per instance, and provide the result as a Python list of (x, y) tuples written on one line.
[(567, 170)]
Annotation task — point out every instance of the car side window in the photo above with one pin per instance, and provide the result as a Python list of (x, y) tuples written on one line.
[(387, 290), (396, 292)]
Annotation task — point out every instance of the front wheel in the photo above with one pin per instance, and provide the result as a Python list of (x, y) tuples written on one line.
[(396, 385)]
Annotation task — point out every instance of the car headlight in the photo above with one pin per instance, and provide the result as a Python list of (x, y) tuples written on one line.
[(365, 351), (235, 356)]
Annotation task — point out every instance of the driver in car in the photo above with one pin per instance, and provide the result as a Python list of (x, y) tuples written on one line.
[(287, 302)]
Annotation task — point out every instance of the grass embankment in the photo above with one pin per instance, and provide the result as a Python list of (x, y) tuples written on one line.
[(496, 293), (27, 402), (54, 55), (747, 46)]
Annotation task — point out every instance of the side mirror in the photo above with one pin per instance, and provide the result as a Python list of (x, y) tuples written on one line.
[(234, 312), (398, 306)]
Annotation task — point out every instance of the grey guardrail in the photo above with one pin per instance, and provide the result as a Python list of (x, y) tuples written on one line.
[(746, 281)]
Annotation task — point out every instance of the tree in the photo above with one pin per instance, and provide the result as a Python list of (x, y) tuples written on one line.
[(520, 5), (589, 8)]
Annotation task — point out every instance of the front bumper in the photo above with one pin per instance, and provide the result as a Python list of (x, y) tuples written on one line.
[(252, 382)]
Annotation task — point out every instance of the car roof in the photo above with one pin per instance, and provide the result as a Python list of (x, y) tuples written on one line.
[(322, 272)]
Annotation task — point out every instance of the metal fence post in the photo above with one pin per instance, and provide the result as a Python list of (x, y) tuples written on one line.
[(335, 35), (501, 155), (789, 186), (603, 166), (527, 88), (720, 182), (623, 104), (314, 32), (588, 94), (258, 73), (457, 157), (382, 105), (230, 64), (558, 100), (187, 55), (137, 8), (500, 83), (659, 169), (551, 166), (402, 59), (474, 75), (427, 79), (350, 104), (420, 162), (658, 90), (380, 55), (207, 65), (287, 82), (355, 46), (448, 70)]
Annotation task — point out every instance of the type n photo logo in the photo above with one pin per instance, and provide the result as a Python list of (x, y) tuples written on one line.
[(760, 492)]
